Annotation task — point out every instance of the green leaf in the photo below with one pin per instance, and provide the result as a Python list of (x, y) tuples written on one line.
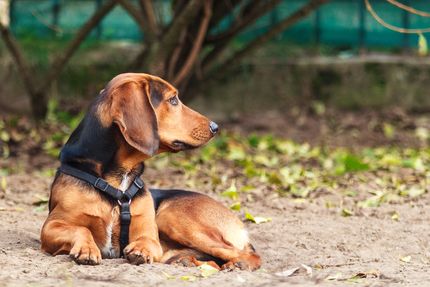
[(389, 130), (236, 153), (253, 141), (235, 206), (353, 163), (257, 219), (373, 201), (206, 270), (3, 183), (190, 278), (422, 45), (346, 212), (231, 192)]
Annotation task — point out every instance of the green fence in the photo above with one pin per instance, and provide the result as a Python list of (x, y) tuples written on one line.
[(343, 23)]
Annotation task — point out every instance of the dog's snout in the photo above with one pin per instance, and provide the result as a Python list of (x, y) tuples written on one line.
[(213, 127)]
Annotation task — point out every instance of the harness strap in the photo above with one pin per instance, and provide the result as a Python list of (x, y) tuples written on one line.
[(123, 198)]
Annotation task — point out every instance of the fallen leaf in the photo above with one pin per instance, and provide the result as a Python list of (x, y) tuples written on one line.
[(235, 206), (190, 278), (3, 183), (257, 219), (395, 216), (367, 274), (353, 163), (389, 130), (287, 273), (346, 212), (406, 259), (206, 270), (308, 269), (231, 192)]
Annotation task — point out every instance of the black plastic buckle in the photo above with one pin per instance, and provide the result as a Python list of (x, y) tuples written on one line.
[(138, 182), (101, 184)]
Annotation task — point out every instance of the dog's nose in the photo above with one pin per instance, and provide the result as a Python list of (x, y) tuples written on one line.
[(213, 127)]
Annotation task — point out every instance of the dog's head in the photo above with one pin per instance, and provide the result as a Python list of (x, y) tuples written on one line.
[(150, 115)]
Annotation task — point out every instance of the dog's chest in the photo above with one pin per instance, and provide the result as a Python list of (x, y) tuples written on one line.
[(109, 249)]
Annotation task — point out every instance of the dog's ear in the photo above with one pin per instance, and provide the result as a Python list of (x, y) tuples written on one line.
[(134, 114)]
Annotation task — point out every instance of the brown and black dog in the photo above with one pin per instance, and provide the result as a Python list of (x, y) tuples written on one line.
[(135, 117)]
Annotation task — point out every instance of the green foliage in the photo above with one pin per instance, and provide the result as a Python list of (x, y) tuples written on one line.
[(68, 123), (242, 166)]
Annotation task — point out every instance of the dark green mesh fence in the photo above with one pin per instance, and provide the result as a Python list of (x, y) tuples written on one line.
[(338, 23)]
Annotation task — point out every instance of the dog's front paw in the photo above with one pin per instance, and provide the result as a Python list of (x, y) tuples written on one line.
[(86, 253), (142, 251)]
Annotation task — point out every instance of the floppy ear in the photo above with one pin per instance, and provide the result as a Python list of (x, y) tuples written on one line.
[(134, 114)]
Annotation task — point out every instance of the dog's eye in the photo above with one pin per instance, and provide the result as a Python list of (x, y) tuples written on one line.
[(174, 101)]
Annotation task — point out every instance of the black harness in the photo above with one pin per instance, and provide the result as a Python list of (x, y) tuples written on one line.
[(123, 198)]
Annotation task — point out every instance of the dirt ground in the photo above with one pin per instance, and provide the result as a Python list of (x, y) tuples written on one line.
[(321, 246), (372, 246)]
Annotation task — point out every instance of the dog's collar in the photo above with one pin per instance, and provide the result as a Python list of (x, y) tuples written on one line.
[(123, 198)]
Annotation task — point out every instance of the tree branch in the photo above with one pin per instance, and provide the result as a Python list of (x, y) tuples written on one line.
[(392, 27), (225, 38), (190, 61), (61, 60), (409, 8), (221, 10), (134, 12), (275, 30), (249, 14), (171, 37), (15, 50), (151, 20), (175, 55)]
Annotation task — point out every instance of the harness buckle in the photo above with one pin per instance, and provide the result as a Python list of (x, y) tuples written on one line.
[(101, 184), (138, 182), (124, 198), (120, 202)]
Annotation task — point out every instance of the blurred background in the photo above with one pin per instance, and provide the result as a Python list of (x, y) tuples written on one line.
[(289, 53)]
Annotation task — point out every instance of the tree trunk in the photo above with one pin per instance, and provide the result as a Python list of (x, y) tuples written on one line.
[(38, 93)]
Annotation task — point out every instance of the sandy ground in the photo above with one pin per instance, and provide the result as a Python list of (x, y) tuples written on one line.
[(370, 249)]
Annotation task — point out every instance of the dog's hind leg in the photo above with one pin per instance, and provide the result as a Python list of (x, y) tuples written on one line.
[(188, 257), (198, 222)]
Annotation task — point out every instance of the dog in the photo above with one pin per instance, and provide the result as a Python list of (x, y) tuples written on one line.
[(135, 117)]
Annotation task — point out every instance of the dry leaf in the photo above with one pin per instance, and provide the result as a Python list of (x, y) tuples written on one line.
[(406, 259), (287, 273)]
